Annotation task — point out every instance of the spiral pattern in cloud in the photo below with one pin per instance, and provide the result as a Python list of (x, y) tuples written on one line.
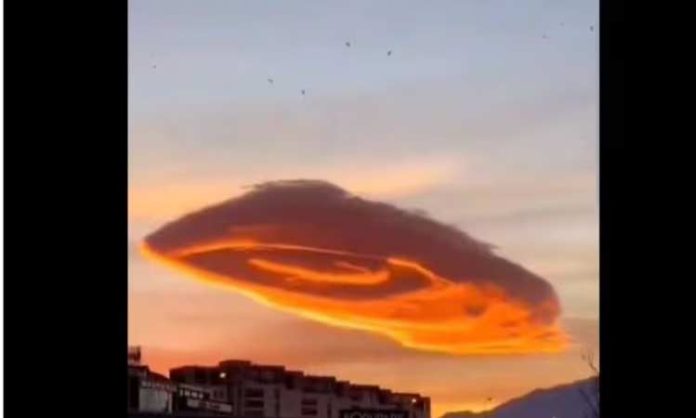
[(310, 248)]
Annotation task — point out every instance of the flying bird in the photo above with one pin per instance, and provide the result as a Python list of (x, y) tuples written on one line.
[(303, 92), (591, 28), (389, 53), (154, 66), (270, 81), (348, 44)]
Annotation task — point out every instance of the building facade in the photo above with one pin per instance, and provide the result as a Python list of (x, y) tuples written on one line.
[(261, 391), (200, 399), (149, 391)]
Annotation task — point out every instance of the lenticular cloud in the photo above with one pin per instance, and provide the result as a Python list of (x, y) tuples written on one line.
[(312, 249)]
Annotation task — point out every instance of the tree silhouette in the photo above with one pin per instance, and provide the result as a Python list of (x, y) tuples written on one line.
[(591, 395)]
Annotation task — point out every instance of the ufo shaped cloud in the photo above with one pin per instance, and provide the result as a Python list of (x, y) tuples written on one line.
[(310, 248)]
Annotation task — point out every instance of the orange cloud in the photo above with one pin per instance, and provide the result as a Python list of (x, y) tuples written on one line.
[(312, 249)]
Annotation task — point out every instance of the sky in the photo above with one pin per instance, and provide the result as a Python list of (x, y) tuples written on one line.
[(485, 116)]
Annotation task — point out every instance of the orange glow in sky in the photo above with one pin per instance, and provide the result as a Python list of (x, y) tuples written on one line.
[(405, 300)]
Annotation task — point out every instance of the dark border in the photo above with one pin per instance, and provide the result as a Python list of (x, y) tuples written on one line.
[(65, 168), (614, 223)]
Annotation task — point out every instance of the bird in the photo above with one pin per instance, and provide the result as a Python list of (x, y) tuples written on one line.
[(348, 44), (154, 66), (591, 28), (389, 53), (270, 81), (544, 36), (562, 24), (303, 92)]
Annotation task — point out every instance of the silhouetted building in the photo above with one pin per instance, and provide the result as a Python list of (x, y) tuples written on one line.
[(149, 391), (273, 392)]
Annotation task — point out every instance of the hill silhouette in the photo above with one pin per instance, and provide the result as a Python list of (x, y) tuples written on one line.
[(563, 401)]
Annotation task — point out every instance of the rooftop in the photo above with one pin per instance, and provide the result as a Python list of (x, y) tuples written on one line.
[(253, 371)]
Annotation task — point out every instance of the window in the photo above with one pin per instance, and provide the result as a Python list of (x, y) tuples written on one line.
[(253, 403), (253, 393)]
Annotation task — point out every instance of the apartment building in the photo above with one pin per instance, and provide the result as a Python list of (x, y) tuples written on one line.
[(263, 391)]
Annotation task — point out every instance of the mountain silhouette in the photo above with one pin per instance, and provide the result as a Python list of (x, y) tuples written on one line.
[(563, 401)]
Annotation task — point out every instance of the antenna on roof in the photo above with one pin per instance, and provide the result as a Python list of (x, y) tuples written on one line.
[(134, 355)]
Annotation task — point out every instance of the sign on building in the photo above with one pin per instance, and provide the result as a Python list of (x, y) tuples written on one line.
[(208, 405), (373, 413)]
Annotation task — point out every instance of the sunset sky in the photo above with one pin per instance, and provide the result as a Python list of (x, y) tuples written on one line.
[(484, 116)]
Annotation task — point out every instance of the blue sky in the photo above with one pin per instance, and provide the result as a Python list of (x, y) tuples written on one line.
[(222, 52)]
